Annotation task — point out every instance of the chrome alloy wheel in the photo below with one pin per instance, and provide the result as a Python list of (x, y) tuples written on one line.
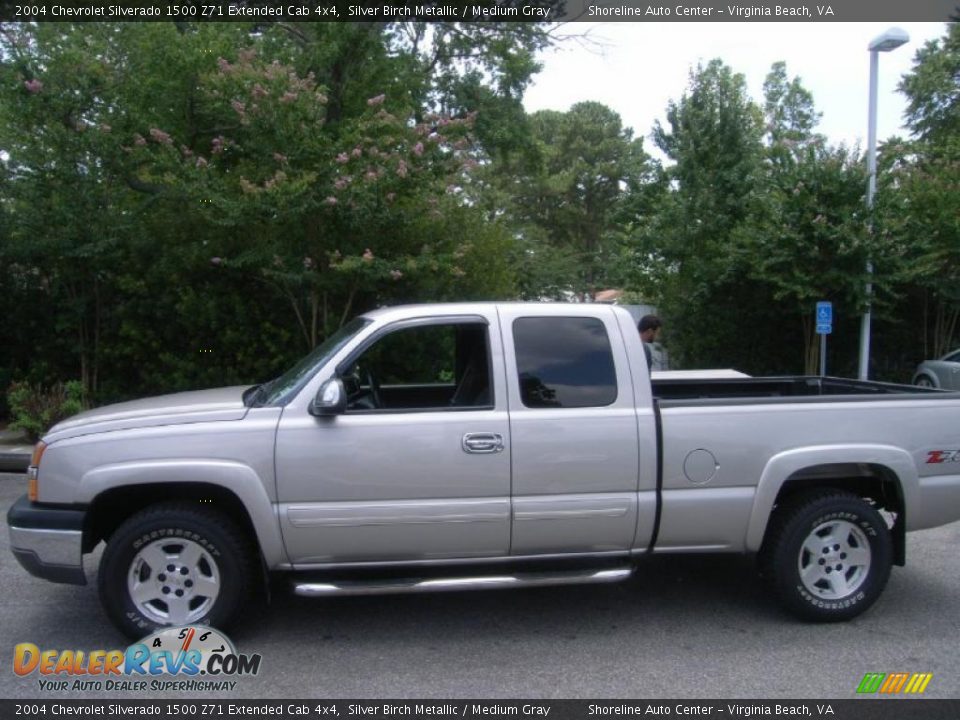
[(173, 581), (834, 560)]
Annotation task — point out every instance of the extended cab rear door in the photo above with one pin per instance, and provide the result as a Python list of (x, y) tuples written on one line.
[(574, 427)]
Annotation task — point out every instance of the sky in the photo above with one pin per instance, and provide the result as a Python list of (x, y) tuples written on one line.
[(636, 68)]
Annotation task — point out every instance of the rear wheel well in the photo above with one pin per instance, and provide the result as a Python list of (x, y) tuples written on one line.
[(875, 483)]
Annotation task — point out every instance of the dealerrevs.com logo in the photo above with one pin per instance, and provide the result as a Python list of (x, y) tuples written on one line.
[(199, 658)]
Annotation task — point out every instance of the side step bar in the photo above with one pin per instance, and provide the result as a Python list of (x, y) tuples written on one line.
[(485, 582)]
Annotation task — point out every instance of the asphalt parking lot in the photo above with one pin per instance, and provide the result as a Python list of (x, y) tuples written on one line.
[(683, 627)]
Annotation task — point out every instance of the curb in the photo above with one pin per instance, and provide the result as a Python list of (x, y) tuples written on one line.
[(15, 459)]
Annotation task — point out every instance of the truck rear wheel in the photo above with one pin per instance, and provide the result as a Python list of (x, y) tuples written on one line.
[(828, 556), (174, 564)]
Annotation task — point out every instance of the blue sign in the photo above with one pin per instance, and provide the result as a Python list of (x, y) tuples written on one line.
[(824, 312), (824, 317)]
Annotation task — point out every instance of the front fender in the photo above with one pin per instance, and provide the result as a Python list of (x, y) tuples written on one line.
[(785, 464), (234, 477)]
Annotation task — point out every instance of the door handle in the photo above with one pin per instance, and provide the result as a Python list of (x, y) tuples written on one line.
[(482, 442)]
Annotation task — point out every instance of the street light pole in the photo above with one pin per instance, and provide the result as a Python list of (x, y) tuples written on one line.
[(890, 40)]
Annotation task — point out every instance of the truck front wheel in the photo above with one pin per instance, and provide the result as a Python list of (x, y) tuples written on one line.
[(174, 564), (828, 556)]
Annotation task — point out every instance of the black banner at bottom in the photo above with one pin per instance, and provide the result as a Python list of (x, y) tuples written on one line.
[(860, 709)]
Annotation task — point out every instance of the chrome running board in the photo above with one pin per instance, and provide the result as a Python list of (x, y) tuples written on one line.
[(483, 582)]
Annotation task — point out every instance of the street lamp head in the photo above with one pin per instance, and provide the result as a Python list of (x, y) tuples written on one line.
[(890, 40)]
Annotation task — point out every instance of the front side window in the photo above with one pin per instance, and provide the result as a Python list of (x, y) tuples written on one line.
[(564, 362), (425, 367)]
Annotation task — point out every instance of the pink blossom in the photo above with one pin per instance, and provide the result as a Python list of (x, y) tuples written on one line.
[(367, 255), (246, 55), (341, 182), (321, 98), (160, 136), (139, 140), (343, 158), (373, 152), (33, 86), (216, 260), (201, 162), (396, 274), (247, 186), (330, 200), (378, 100), (288, 97), (391, 196), (238, 106), (402, 169), (418, 149), (280, 158), (217, 145), (258, 91), (371, 175), (357, 151), (307, 263), (224, 65), (185, 151)]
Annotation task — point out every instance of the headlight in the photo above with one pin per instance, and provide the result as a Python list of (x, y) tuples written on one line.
[(34, 469)]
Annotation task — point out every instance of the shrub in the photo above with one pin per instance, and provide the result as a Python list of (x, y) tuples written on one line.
[(35, 408)]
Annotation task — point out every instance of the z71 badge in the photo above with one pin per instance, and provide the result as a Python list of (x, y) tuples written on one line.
[(935, 457)]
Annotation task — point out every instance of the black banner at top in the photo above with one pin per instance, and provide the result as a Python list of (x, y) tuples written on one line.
[(479, 10)]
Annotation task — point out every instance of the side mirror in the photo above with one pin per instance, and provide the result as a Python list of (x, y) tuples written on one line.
[(331, 399)]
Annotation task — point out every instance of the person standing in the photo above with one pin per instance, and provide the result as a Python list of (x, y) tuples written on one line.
[(649, 327)]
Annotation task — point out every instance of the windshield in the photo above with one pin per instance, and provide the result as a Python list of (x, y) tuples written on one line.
[(283, 387)]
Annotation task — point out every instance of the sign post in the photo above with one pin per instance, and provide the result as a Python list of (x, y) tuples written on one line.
[(824, 320)]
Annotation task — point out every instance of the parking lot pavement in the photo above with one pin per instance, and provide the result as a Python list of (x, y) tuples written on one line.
[(683, 627)]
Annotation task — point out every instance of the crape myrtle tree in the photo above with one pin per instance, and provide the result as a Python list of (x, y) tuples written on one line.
[(200, 203)]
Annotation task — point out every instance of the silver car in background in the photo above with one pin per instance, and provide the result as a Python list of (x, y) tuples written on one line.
[(943, 373)]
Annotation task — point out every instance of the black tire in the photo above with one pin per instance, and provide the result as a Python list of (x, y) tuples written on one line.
[(828, 556), (209, 590)]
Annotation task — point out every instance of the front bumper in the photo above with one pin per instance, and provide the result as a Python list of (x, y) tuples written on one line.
[(48, 541)]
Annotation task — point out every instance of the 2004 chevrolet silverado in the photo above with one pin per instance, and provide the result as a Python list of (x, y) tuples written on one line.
[(448, 447)]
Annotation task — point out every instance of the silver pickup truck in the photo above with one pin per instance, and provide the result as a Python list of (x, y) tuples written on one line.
[(451, 447)]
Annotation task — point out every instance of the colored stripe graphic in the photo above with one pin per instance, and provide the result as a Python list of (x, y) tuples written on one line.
[(894, 683), (871, 682), (918, 683)]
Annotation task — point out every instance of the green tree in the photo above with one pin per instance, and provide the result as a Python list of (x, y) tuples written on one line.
[(684, 255), (919, 202), (586, 166)]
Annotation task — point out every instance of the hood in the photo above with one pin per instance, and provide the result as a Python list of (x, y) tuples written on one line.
[(186, 407)]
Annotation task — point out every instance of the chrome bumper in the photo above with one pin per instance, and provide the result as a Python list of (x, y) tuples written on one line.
[(47, 541)]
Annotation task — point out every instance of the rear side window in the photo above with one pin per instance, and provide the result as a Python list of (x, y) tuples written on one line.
[(564, 362)]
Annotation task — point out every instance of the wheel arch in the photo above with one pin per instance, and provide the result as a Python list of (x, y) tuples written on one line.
[(886, 475), (929, 375), (118, 491)]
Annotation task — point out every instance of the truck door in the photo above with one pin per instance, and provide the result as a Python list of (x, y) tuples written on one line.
[(418, 467), (574, 431)]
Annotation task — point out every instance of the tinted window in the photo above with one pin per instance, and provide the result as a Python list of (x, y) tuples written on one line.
[(954, 357), (564, 362)]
